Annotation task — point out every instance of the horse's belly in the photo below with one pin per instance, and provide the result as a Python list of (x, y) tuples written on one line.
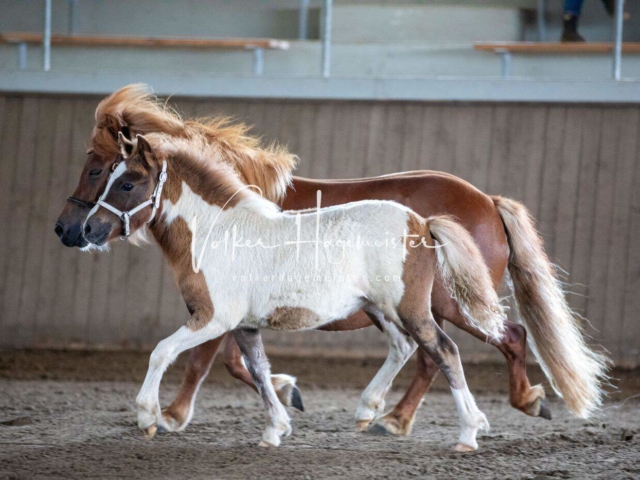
[(303, 307)]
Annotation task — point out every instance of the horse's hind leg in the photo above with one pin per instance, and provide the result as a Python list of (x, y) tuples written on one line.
[(284, 385), (178, 415), (513, 345), (444, 353), (524, 397), (401, 347), (278, 423)]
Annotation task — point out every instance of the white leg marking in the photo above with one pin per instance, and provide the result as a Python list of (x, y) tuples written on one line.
[(471, 419), (278, 422), (372, 402)]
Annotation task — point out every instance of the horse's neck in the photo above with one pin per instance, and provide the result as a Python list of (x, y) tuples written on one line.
[(192, 208)]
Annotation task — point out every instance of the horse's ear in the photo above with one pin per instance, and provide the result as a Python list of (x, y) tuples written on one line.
[(143, 149), (113, 125), (143, 145), (126, 147)]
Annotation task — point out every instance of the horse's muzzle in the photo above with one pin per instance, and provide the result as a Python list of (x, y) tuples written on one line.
[(70, 234), (96, 232)]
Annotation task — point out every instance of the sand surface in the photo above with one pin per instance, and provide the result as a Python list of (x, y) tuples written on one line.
[(78, 421)]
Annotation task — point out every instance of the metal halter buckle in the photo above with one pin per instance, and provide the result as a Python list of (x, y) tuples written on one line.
[(125, 220)]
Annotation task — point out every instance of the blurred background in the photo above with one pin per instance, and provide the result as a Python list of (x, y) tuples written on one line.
[(480, 89)]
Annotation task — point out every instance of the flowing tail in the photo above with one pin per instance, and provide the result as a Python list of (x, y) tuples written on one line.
[(574, 370), (466, 276)]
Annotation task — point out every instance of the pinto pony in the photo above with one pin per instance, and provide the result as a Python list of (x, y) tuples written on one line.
[(242, 264), (502, 229)]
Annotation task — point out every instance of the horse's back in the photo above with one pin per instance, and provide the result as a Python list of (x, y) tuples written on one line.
[(425, 192)]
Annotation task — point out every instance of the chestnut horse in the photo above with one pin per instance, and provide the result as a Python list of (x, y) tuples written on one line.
[(501, 228)]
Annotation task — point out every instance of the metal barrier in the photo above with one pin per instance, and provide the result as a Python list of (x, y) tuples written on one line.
[(325, 67), (617, 50)]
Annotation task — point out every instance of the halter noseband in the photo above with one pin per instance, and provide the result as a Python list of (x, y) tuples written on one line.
[(82, 203), (153, 200)]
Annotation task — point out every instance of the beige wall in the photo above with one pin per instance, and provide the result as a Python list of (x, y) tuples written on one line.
[(575, 167)]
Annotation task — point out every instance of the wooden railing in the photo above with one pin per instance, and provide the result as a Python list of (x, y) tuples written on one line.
[(257, 45), (506, 49)]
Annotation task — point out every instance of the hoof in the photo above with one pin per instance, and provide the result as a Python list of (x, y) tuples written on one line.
[(149, 432), (545, 411), (378, 429), (538, 408), (535, 404), (362, 425), (296, 399), (462, 447), (393, 425), (264, 444), (169, 423)]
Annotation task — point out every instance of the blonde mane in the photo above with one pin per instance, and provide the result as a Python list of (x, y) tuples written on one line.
[(136, 108)]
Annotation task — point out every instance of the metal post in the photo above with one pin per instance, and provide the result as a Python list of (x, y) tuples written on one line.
[(617, 47), (542, 26), (46, 40), (505, 58), (326, 38), (22, 56), (73, 17), (303, 20), (258, 61)]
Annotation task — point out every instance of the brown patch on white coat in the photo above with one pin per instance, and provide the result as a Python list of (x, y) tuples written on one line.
[(418, 276), (175, 240), (292, 318)]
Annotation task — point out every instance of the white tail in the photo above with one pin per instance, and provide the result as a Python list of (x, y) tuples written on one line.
[(466, 276), (574, 370)]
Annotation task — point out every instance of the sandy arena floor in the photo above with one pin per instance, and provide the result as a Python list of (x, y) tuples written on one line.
[(80, 423)]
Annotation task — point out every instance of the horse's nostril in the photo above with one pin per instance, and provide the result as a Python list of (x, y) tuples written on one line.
[(87, 230), (59, 230)]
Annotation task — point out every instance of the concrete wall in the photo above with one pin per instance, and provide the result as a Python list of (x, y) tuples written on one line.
[(575, 167), (186, 18)]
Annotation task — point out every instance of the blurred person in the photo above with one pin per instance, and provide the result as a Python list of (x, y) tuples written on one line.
[(572, 9)]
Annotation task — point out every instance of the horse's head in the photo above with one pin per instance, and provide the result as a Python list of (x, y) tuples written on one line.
[(91, 185), (130, 197)]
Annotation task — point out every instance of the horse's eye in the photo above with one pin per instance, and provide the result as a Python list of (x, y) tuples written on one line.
[(95, 172), (127, 187)]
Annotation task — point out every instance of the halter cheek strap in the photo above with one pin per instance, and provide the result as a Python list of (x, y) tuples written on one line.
[(154, 201)]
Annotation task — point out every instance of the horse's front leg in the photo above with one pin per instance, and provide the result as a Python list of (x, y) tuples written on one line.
[(177, 416), (148, 402), (278, 423)]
